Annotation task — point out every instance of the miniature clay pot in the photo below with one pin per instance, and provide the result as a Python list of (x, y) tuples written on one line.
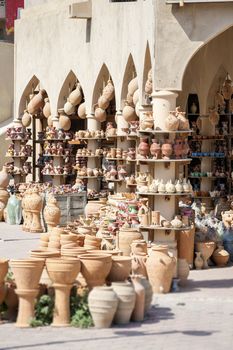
[(52, 213), (143, 148), (95, 268), (183, 270), (127, 297), (69, 108), (36, 102), (75, 96), (126, 237), (64, 122), (148, 293), (102, 303), (139, 307), (220, 256), (160, 268), (100, 115), (129, 114), (26, 119), (47, 109), (206, 249), (108, 91), (82, 111), (120, 270)]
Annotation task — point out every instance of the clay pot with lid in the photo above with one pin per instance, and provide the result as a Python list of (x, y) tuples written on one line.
[(143, 148), (75, 96), (95, 268), (26, 119), (52, 213), (64, 122), (102, 303), (120, 270), (220, 256), (3, 272), (27, 273), (62, 272), (100, 114), (127, 297), (126, 237), (206, 249), (47, 109), (82, 111), (36, 102), (108, 91), (160, 267)]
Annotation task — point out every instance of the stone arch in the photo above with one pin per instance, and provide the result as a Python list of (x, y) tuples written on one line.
[(101, 81), (30, 87), (147, 67), (216, 85), (130, 73)]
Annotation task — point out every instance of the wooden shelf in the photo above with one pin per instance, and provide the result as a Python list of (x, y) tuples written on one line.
[(115, 180), (211, 157), (77, 156), (7, 156), (164, 194), (51, 140)]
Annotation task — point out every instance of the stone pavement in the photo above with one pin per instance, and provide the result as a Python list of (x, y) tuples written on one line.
[(199, 317)]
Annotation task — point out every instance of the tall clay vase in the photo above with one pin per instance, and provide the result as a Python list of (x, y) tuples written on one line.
[(126, 237), (62, 273), (139, 308), (160, 267), (95, 268), (27, 274), (120, 270), (206, 249), (52, 213), (27, 214), (35, 205), (102, 303), (3, 272), (126, 295), (183, 271), (148, 293)]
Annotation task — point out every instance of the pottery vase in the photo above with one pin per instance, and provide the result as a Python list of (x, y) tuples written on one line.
[(139, 264), (95, 268), (64, 122), (36, 102), (108, 91), (128, 113), (69, 108), (220, 256), (206, 249), (126, 237), (47, 109), (143, 148), (103, 102), (183, 270), (120, 269), (75, 97), (35, 204), (103, 302), (193, 108), (139, 308), (171, 122), (167, 149), (26, 119), (148, 293), (82, 111), (52, 213), (198, 261), (126, 301), (133, 86), (183, 121), (100, 115), (155, 149)]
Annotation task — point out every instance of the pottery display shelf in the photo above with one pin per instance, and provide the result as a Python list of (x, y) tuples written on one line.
[(154, 132), (167, 194), (162, 228)]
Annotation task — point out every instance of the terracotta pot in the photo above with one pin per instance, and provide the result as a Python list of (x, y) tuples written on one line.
[(4, 178), (198, 262), (139, 264), (129, 114), (206, 249), (160, 267), (220, 256), (41, 254), (73, 252), (183, 270), (148, 293), (139, 308), (100, 115), (103, 102), (44, 236), (95, 268), (47, 109), (139, 246), (75, 96), (12, 302), (36, 102), (133, 86), (127, 297), (136, 97), (64, 122), (52, 213), (82, 111), (102, 303), (178, 148), (155, 149), (148, 87), (93, 207), (167, 150), (120, 270), (183, 121), (50, 121), (108, 91), (69, 109), (126, 237), (68, 238), (4, 196), (171, 122), (26, 119), (108, 252), (185, 245), (63, 273), (35, 203), (143, 148), (85, 230)]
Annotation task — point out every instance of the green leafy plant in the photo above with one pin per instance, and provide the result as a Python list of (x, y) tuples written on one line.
[(43, 311), (79, 310)]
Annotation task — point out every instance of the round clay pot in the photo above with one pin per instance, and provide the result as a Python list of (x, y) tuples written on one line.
[(167, 150), (206, 249), (220, 257), (148, 87), (73, 252), (160, 268), (82, 111), (47, 109), (27, 272), (120, 270), (103, 102), (127, 297), (108, 91), (69, 108), (183, 270), (148, 293), (36, 102), (4, 178), (52, 213), (50, 121), (126, 237), (95, 268), (69, 238), (26, 119), (129, 114), (64, 122), (75, 96), (102, 303), (155, 149), (54, 245), (133, 86), (93, 207), (129, 100), (108, 252), (100, 115), (143, 148), (85, 230)]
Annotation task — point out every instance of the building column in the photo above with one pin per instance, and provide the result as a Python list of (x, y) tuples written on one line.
[(163, 102)]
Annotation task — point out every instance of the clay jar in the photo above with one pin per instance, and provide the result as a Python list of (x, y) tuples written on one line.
[(148, 293), (220, 256), (178, 148), (108, 91), (183, 270), (133, 86), (127, 297), (198, 262), (102, 303), (75, 96), (82, 111), (95, 268), (139, 246), (52, 213), (139, 264), (27, 274), (36, 102), (62, 273), (160, 267), (64, 122), (171, 122), (126, 237), (3, 272), (100, 115), (155, 149), (167, 149), (93, 207), (139, 308), (69, 108), (26, 119), (120, 270), (128, 113), (103, 102), (183, 121), (206, 249), (143, 148)]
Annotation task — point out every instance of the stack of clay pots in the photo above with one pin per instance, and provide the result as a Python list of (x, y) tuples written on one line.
[(104, 101), (92, 242), (44, 241), (131, 109)]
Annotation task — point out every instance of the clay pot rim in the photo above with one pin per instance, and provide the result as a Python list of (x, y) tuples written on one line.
[(90, 256), (119, 258), (39, 251), (61, 260), (129, 229), (4, 260), (25, 261), (105, 252)]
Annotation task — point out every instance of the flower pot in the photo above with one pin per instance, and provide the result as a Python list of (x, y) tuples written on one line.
[(95, 268), (120, 270), (127, 297), (102, 303), (126, 237), (3, 272)]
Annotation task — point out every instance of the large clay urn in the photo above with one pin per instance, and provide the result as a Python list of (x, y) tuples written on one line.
[(63, 273), (100, 114), (155, 149), (139, 307), (47, 109), (64, 122), (126, 295), (143, 148), (167, 150), (52, 213), (82, 111), (126, 237), (35, 203), (36, 102), (108, 91), (4, 178), (220, 256), (120, 270), (26, 119), (3, 272), (27, 273), (75, 96), (160, 267), (102, 303), (206, 249), (95, 268)]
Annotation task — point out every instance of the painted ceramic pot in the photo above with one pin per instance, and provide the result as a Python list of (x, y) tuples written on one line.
[(155, 149), (127, 297), (95, 268), (120, 270)]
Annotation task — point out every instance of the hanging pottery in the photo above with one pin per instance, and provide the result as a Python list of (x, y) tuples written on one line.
[(171, 122), (149, 76), (220, 256), (75, 96), (129, 100), (136, 97), (129, 113), (69, 108), (82, 111), (100, 115), (47, 109), (103, 102), (137, 109), (26, 119), (148, 87), (64, 122), (108, 91), (133, 86), (36, 102)]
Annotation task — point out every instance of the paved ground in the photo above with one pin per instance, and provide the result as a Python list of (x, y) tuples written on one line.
[(199, 317)]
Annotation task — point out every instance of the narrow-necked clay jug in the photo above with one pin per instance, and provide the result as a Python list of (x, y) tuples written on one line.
[(126, 295), (198, 262)]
